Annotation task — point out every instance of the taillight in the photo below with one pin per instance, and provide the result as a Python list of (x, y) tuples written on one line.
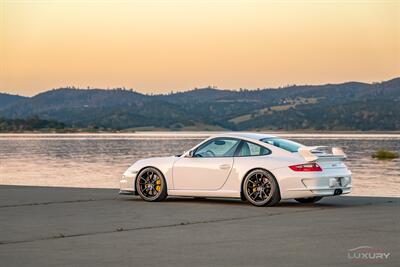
[(308, 167)]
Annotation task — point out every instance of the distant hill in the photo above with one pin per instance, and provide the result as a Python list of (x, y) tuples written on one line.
[(346, 106), (7, 100)]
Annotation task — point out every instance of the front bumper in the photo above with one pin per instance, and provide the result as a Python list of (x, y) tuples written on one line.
[(127, 192), (126, 186)]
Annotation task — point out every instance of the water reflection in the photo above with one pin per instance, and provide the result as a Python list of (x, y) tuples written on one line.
[(99, 160)]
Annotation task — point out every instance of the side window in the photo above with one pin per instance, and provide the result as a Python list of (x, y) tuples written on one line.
[(219, 147), (249, 149)]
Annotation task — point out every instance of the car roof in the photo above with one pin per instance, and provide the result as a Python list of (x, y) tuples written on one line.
[(254, 136)]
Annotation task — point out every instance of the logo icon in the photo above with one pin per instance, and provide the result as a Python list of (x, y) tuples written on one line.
[(367, 254)]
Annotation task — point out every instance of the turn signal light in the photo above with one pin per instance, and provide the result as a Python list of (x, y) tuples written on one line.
[(308, 167)]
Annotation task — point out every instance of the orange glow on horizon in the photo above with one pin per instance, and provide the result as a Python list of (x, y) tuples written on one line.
[(164, 45)]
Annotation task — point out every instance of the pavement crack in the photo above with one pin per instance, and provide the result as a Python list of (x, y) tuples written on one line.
[(55, 202), (122, 229)]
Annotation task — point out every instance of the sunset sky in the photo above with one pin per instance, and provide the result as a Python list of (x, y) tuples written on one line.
[(164, 45)]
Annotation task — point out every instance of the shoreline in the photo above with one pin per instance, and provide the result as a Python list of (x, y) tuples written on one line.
[(208, 133), (198, 131)]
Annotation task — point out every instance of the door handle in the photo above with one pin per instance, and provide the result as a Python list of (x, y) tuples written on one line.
[(224, 166)]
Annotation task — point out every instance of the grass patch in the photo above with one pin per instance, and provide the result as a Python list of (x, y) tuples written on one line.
[(283, 107), (241, 118), (384, 154), (289, 103)]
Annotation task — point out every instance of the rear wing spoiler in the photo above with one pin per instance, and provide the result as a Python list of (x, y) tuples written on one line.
[(306, 153)]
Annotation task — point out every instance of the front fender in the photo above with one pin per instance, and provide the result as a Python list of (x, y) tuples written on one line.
[(163, 164)]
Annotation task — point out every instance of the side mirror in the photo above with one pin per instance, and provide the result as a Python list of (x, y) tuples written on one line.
[(190, 154)]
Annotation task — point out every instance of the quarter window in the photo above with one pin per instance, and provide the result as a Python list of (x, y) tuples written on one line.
[(249, 149)]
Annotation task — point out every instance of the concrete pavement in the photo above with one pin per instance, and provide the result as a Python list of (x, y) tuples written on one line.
[(42, 226)]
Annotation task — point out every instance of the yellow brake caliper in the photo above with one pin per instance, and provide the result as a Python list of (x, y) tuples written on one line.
[(158, 185)]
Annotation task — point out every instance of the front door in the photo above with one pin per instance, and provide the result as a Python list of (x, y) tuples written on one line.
[(208, 168)]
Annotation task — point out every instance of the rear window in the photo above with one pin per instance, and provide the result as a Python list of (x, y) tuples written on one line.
[(283, 143)]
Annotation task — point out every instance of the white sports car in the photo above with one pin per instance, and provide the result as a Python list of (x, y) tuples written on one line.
[(261, 169)]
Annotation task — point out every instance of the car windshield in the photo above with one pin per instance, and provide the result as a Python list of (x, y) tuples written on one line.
[(282, 143)]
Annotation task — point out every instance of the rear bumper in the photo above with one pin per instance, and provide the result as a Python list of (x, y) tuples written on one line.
[(316, 186), (322, 191)]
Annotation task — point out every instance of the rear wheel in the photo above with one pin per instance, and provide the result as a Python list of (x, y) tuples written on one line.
[(308, 200), (261, 189), (150, 185)]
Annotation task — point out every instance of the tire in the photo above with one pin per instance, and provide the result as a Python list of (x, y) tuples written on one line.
[(150, 185), (308, 200), (260, 188)]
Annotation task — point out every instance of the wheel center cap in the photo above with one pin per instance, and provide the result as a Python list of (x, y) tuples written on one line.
[(260, 188)]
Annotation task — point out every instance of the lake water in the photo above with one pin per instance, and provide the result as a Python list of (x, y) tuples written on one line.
[(98, 160)]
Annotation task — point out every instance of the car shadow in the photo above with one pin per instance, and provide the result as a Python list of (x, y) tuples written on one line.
[(327, 202)]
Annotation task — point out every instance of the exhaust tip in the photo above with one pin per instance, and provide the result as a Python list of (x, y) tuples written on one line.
[(337, 192)]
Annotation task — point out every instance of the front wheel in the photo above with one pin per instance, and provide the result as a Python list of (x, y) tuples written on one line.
[(308, 200), (261, 189), (151, 185)]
